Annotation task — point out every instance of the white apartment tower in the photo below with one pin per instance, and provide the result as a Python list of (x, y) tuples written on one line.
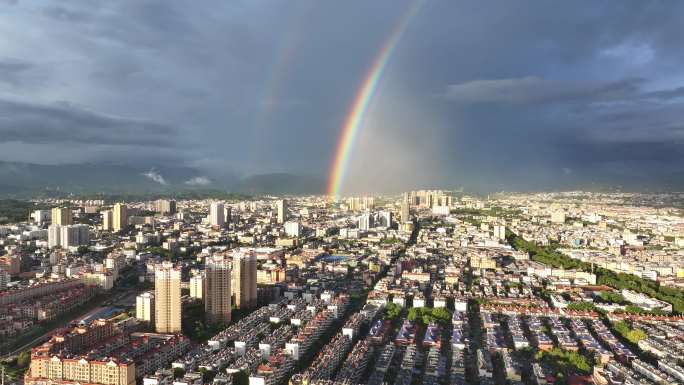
[(216, 214), (281, 207), (197, 286), (144, 307), (74, 235)]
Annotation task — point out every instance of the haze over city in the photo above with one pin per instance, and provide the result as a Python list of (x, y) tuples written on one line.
[(485, 96)]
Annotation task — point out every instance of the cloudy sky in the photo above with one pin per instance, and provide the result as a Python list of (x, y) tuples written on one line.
[(493, 94)]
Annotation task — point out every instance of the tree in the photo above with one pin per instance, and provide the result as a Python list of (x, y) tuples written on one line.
[(23, 359), (581, 306), (241, 378), (392, 311), (441, 316), (178, 373)]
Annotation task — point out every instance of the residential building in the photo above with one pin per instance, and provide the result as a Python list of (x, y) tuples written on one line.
[(108, 220), (4, 279), (293, 228), (216, 214), (61, 216), (144, 307), (167, 298), (73, 235), (217, 303), (165, 206), (244, 279), (366, 222), (54, 235), (120, 217), (196, 286), (500, 232), (281, 207)]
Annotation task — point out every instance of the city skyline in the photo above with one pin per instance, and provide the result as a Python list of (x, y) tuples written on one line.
[(429, 286)]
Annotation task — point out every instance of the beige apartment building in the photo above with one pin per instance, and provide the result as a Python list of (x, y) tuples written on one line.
[(244, 281), (167, 298), (120, 217), (61, 216), (63, 371)]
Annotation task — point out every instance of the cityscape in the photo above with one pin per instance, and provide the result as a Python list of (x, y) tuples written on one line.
[(317, 192), (429, 287)]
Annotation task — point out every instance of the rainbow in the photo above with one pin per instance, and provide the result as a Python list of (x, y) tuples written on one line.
[(364, 96)]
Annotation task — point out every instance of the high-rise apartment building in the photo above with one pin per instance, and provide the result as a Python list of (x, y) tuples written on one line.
[(54, 235), (107, 220), (197, 286), (144, 307), (165, 206), (405, 211), (217, 303), (500, 232), (244, 279), (360, 203), (293, 229), (41, 216), (366, 222), (167, 298), (281, 208), (227, 214), (73, 235), (61, 216), (120, 217), (4, 279), (429, 198), (216, 214)]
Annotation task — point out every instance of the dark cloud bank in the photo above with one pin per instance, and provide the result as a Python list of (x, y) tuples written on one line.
[(483, 95)]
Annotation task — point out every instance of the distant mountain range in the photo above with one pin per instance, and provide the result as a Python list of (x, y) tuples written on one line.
[(25, 180)]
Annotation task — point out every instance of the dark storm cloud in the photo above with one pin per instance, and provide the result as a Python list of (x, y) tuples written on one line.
[(12, 71), (62, 123), (537, 90), (525, 89)]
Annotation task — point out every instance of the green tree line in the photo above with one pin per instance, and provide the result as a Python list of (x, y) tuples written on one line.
[(550, 256)]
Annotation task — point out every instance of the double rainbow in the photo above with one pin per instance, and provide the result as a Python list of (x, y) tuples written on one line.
[(364, 96)]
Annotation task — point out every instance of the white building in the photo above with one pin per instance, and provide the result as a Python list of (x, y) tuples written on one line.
[(74, 236), (281, 207), (144, 307), (500, 232), (54, 235), (384, 219), (216, 214), (558, 217), (293, 229), (107, 220), (41, 216), (196, 286), (366, 222)]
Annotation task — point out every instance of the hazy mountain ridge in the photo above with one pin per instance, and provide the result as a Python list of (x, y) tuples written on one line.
[(25, 180)]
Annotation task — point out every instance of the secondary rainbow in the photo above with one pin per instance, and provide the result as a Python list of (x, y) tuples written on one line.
[(359, 108)]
